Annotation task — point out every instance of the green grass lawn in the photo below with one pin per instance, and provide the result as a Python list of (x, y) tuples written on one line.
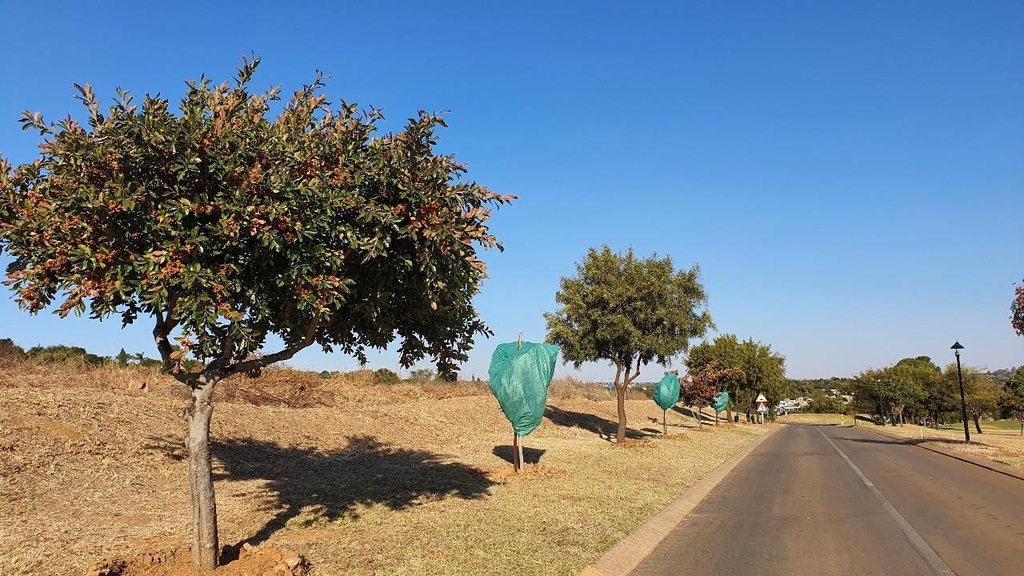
[(1012, 425)]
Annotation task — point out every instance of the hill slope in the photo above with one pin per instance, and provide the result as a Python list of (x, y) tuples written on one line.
[(361, 478)]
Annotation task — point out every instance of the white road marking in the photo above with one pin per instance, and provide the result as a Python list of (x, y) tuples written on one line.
[(927, 552)]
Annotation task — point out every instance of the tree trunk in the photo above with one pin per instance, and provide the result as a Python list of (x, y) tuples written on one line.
[(200, 477), (728, 408), (620, 397), (977, 422), (517, 452), (699, 412), (664, 422)]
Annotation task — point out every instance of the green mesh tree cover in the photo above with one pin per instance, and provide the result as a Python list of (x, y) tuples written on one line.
[(519, 380), (720, 401), (666, 394)]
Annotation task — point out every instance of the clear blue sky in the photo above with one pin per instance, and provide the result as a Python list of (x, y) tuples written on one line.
[(848, 175)]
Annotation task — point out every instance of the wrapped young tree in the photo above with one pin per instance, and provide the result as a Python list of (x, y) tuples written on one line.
[(703, 387), (1013, 397), (666, 394), (223, 226)]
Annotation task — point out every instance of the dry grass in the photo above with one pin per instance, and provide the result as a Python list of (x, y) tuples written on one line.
[(1001, 446), (361, 478)]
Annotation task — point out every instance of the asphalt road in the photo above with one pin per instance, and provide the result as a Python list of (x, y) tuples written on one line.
[(825, 500)]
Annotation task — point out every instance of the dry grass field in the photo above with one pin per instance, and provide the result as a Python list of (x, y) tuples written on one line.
[(360, 478)]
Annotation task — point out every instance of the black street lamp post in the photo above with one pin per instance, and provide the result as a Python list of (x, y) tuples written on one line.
[(957, 347)]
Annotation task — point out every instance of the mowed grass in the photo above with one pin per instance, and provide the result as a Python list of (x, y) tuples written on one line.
[(994, 443), (366, 479), (997, 426)]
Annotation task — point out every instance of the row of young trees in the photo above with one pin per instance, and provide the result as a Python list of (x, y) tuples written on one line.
[(916, 390), (632, 311), (754, 369)]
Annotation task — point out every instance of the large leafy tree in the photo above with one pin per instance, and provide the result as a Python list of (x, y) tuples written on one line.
[(981, 394), (756, 369), (628, 311), (1013, 397), (223, 224), (890, 390), (1017, 310), (937, 395)]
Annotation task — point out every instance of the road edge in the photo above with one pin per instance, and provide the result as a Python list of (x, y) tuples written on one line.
[(979, 462), (627, 554)]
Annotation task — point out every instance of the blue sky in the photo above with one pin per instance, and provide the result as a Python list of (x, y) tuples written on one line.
[(848, 175)]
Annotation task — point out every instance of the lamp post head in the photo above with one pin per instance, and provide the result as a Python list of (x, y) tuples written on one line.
[(956, 348)]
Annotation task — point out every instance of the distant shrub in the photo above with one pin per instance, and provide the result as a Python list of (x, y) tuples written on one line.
[(386, 376), (361, 377), (60, 353), (422, 375), (10, 351)]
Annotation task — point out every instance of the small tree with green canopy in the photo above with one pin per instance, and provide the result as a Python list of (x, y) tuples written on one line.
[(628, 311), (224, 226), (938, 394)]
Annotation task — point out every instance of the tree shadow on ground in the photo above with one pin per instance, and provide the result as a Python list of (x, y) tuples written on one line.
[(911, 441), (705, 419), (530, 455), (604, 428), (916, 441), (329, 485)]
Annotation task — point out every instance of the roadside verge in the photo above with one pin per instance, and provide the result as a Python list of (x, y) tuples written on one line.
[(975, 460), (625, 556)]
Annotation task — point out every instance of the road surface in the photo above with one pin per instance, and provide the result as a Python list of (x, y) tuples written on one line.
[(827, 500)]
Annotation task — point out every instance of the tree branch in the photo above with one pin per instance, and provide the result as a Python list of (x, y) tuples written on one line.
[(635, 374), (226, 353), (256, 364), (162, 333)]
